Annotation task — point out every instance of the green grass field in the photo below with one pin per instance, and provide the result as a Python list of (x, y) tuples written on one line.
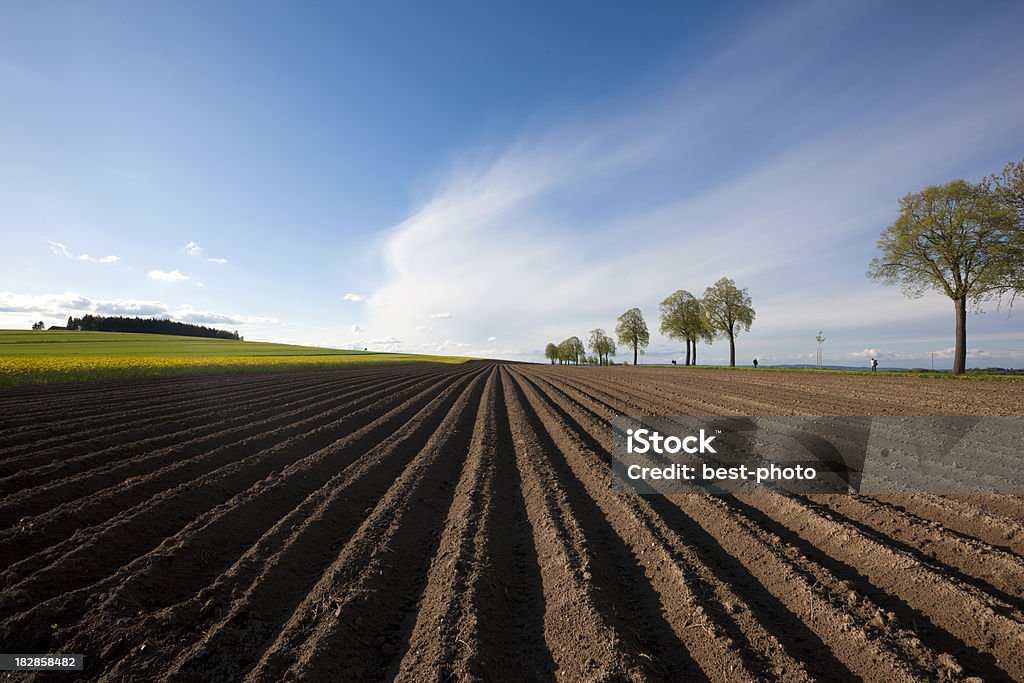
[(985, 374), (42, 357)]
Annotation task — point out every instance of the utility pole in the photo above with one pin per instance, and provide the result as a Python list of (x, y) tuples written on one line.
[(820, 338)]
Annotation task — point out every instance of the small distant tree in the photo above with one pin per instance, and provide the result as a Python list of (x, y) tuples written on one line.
[(729, 311), (960, 239), (39, 325), (71, 323), (602, 345), (632, 331), (551, 352)]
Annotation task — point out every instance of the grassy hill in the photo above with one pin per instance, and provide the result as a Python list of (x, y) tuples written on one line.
[(39, 357)]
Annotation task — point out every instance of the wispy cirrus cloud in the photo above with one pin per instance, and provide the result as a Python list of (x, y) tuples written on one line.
[(353, 297), (732, 169)]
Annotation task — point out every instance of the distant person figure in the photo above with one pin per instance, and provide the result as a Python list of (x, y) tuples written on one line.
[(874, 364), (673, 362), (755, 364)]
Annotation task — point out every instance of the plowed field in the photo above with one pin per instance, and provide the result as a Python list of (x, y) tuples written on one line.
[(429, 522)]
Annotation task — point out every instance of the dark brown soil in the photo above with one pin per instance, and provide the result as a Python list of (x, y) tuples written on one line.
[(428, 522)]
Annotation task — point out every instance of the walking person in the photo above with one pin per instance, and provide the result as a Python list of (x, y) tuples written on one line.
[(755, 364), (874, 364)]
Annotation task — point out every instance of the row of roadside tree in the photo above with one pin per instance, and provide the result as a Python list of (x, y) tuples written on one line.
[(723, 312)]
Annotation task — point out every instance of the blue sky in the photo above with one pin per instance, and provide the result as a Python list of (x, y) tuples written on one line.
[(482, 178)]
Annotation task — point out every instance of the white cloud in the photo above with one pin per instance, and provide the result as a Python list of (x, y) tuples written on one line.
[(130, 307), (940, 354), (424, 329), (441, 316), (188, 315), (50, 304), (61, 250), (386, 341), (71, 303), (100, 259), (353, 297), (218, 261), (492, 339), (173, 276), (193, 249), (356, 328)]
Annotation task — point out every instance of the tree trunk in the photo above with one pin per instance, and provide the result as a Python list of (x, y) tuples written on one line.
[(687, 351), (732, 350), (960, 353), (636, 348), (694, 352)]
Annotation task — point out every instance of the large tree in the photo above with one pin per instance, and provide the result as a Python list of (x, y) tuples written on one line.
[(959, 239), (602, 345), (683, 317), (632, 331), (551, 352), (729, 311)]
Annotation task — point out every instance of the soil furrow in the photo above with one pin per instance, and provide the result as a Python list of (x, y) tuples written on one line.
[(130, 535), (812, 603), (185, 465), (247, 420), (457, 522), (353, 622), (245, 604)]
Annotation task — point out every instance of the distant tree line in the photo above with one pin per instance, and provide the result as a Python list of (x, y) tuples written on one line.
[(723, 312), (99, 323)]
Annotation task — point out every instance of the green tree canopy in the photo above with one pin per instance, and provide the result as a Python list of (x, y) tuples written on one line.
[(729, 310), (551, 352), (1008, 188), (602, 345), (578, 350), (683, 317), (632, 331), (571, 350), (959, 239)]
